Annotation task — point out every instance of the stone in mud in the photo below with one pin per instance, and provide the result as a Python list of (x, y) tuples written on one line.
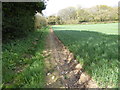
[(70, 74), (91, 84), (75, 61), (44, 51), (84, 78), (66, 72), (70, 57), (53, 77), (58, 67), (62, 72), (78, 66), (76, 71), (48, 73)]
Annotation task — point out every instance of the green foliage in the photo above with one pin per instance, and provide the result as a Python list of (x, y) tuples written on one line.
[(97, 52), (23, 63), (54, 20), (18, 18)]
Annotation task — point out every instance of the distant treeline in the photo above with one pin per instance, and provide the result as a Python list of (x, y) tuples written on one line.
[(18, 18), (72, 15)]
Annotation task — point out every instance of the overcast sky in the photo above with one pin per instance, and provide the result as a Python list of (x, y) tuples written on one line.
[(53, 6)]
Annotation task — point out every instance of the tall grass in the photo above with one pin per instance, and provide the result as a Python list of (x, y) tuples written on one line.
[(23, 63)]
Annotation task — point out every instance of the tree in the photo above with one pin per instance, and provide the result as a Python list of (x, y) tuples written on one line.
[(68, 14), (83, 15), (103, 13), (99, 13)]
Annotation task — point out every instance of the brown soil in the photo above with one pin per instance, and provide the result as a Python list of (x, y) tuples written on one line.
[(62, 70)]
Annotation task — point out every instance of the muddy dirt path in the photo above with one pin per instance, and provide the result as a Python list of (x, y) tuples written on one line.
[(62, 70)]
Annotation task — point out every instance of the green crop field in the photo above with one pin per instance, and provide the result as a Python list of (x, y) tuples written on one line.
[(95, 47), (111, 28)]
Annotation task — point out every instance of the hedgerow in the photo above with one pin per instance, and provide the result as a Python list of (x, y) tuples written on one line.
[(18, 18)]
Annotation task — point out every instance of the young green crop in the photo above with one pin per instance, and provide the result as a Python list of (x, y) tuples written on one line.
[(110, 28), (97, 52)]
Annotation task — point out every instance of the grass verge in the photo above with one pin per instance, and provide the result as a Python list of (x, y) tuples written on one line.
[(23, 63)]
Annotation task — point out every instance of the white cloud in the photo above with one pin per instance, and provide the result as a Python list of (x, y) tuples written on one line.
[(53, 6)]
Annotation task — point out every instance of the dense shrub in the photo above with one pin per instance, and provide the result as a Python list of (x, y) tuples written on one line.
[(18, 18), (40, 21)]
